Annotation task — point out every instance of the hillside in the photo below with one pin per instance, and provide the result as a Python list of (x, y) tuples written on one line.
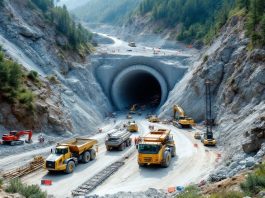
[(105, 11), (54, 81), (53, 48), (198, 21)]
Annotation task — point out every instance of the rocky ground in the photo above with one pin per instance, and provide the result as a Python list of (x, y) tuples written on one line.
[(238, 96), (150, 193)]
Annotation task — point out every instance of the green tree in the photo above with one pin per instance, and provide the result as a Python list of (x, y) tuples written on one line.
[(15, 74)]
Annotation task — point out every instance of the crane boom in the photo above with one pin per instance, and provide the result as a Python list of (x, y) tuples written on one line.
[(208, 113), (208, 139)]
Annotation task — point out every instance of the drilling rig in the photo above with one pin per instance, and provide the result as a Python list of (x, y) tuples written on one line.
[(208, 139)]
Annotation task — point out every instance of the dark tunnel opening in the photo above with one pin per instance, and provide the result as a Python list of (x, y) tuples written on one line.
[(141, 88)]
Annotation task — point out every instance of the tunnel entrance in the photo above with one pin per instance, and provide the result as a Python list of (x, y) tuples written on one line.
[(140, 85), (141, 88)]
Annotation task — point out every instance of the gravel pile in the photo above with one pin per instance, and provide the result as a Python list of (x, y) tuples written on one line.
[(150, 193)]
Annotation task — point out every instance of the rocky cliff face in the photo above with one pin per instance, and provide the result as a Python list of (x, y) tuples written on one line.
[(238, 89), (67, 102)]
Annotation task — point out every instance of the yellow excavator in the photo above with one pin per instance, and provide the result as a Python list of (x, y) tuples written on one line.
[(181, 121)]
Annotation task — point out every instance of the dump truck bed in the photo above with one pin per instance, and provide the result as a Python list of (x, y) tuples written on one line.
[(117, 137), (156, 136), (79, 145)]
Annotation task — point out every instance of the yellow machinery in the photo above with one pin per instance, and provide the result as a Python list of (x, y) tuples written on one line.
[(157, 147), (67, 155), (208, 139), (182, 120), (132, 127), (153, 119), (133, 109)]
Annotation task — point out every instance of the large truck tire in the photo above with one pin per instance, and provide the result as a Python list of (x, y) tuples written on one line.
[(122, 146), (141, 165), (166, 160), (92, 154), (173, 151), (70, 167), (86, 157), (108, 148)]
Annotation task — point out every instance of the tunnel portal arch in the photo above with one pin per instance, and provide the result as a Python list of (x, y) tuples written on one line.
[(134, 83)]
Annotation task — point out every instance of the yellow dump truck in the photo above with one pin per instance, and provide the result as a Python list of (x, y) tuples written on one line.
[(157, 147), (67, 155), (132, 126)]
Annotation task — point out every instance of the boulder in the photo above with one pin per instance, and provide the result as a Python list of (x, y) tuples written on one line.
[(29, 33)]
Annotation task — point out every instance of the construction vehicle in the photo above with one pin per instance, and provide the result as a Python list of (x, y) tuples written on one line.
[(67, 155), (197, 135), (157, 147), (208, 139), (181, 121), (132, 44), (133, 109), (13, 138), (128, 117), (132, 126), (153, 119), (118, 140)]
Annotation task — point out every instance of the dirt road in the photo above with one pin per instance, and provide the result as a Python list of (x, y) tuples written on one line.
[(191, 165)]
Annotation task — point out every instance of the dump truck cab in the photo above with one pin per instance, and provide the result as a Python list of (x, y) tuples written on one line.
[(56, 160), (67, 155), (157, 147)]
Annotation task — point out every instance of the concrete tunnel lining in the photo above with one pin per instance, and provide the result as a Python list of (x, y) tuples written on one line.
[(130, 75)]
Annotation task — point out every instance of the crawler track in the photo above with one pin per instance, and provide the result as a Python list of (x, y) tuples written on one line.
[(96, 180)]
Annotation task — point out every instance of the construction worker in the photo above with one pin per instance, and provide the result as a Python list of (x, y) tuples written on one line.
[(136, 141), (41, 138)]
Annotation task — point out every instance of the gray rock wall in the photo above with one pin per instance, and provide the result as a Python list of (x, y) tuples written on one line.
[(238, 88)]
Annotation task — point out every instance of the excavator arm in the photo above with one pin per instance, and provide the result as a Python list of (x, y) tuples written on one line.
[(27, 132), (179, 110), (13, 138)]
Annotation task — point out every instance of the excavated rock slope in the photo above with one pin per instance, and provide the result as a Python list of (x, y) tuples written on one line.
[(30, 39), (238, 88)]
